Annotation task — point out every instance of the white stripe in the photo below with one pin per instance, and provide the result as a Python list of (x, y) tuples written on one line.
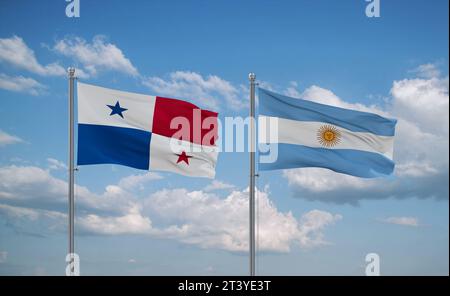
[(305, 133), (163, 157), (93, 109)]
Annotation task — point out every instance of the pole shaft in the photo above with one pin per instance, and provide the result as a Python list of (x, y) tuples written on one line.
[(252, 78), (71, 215)]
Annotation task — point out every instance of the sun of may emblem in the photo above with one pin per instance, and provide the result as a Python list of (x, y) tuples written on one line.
[(328, 135)]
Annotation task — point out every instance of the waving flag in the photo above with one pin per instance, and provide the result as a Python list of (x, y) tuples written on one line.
[(145, 132), (309, 134)]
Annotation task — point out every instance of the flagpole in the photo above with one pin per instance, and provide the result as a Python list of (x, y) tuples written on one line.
[(252, 78), (71, 72)]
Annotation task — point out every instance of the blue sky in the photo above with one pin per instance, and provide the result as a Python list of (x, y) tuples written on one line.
[(202, 51)]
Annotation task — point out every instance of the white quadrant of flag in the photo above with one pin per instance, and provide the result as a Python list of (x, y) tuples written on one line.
[(185, 158)]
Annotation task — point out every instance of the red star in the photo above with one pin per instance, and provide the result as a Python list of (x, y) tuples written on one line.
[(183, 157)]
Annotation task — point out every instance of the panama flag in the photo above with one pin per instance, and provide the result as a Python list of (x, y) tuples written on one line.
[(308, 134), (145, 132)]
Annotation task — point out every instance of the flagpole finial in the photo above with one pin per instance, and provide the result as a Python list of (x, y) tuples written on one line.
[(71, 71), (251, 76)]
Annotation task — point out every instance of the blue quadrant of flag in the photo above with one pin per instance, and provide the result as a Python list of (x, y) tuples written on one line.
[(116, 145)]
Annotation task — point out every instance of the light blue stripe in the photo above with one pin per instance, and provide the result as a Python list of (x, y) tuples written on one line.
[(347, 161), (272, 104)]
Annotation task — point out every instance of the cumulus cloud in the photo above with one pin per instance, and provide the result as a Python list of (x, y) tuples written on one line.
[(424, 102), (98, 55), (197, 218), (16, 183), (7, 139), (204, 219), (404, 221), (35, 187), (210, 91), (129, 223), (15, 52), (421, 106), (21, 84)]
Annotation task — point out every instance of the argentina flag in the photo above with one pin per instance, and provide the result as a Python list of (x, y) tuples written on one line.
[(309, 134)]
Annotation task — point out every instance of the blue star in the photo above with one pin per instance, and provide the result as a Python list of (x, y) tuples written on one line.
[(116, 109)]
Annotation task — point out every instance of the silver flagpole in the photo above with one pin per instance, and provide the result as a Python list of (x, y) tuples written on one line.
[(252, 78), (71, 72)]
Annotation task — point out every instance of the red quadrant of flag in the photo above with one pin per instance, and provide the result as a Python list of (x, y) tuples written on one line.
[(167, 109)]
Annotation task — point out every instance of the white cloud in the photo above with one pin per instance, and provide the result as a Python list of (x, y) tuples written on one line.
[(325, 96), (3, 256), (130, 223), (430, 150), (208, 221), (218, 185), (322, 180), (211, 91), (138, 181), (21, 84), (32, 186), (27, 182), (100, 55), (312, 225), (7, 139), (14, 51), (96, 56), (415, 169), (424, 102), (427, 71), (54, 164), (405, 221), (192, 217)]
